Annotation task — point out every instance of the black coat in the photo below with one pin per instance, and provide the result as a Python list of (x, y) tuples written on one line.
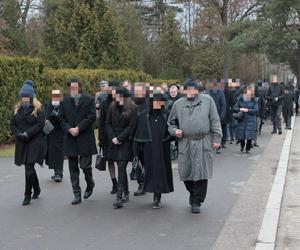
[(157, 161), (230, 102), (220, 102), (121, 127), (34, 150), (55, 140), (82, 116), (287, 105)]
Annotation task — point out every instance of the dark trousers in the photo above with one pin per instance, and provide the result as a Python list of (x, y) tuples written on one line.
[(85, 163), (122, 178), (224, 131), (275, 117), (31, 180), (248, 144), (197, 189)]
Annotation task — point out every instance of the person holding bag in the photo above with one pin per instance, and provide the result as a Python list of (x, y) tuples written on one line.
[(55, 139), (120, 122), (27, 125)]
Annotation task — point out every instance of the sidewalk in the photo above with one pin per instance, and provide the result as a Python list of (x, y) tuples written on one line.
[(288, 234)]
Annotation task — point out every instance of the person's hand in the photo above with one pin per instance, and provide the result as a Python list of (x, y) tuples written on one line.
[(74, 131), (216, 145), (178, 133), (276, 99), (244, 110), (25, 137), (115, 141)]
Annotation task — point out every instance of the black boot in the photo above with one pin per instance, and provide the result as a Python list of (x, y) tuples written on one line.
[(195, 208), (140, 191), (36, 194), (90, 183), (58, 176), (119, 201), (76, 200), (126, 191), (156, 201), (26, 200), (36, 188), (115, 186)]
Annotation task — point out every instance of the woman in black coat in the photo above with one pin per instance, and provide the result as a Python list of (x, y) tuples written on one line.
[(156, 148), (27, 125), (55, 140), (120, 122)]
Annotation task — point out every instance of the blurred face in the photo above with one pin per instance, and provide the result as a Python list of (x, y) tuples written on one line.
[(127, 85), (74, 89), (56, 97), (120, 100), (173, 91), (158, 104), (25, 100), (191, 92), (103, 87), (139, 92), (159, 88)]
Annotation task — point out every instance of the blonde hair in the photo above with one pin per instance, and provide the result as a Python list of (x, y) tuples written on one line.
[(37, 107)]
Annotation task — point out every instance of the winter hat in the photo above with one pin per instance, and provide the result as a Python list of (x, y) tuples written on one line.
[(123, 91), (27, 89), (191, 83), (114, 83), (158, 96)]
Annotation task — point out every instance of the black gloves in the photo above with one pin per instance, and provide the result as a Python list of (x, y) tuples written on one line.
[(24, 137)]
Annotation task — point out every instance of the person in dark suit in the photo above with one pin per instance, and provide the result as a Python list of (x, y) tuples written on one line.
[(78, 114), (27, 125)]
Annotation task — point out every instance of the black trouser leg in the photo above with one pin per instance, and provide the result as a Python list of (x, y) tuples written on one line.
[(122, 175), (86, 166), (156, 196), (189, 185), (29, 178), (248, 145), (36, 184), (74, 175), (200, 190), (243, 143), (224, 131)]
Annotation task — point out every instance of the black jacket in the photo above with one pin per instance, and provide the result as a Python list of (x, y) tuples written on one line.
[(275, 90), (34, 150), (121, 127), (82, 116)]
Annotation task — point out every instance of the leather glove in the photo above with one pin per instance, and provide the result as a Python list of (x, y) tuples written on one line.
[(25, 137)]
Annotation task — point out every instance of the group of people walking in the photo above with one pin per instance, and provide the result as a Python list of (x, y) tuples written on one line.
[(137, 122)]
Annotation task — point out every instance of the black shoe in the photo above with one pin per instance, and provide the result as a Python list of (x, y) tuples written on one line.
[(88, 192), (140, 191), (280, 132), (223, 146), (115, 186), (231, 141), (156, 204), (125, 198), (57, 178), (36, 194), (274, 132), (52, 177), (195, 208), (247, 151), (256, 145), (118, 203), (26, 200), (76, 200), (289, 128), (242, 149)]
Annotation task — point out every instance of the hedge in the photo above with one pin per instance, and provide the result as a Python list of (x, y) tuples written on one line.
[(15, 70)]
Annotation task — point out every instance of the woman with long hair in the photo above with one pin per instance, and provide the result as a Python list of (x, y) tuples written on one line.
[(27, 126), (120, 123)]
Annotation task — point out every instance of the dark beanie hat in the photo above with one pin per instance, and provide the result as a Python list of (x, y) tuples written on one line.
[(27, 89), (191, 83), (114, 83), (158, 96), (123, 91)]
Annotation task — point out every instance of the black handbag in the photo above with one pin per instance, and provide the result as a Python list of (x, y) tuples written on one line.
[(238, 116), (100, 162), (136, 171), (48, 127)]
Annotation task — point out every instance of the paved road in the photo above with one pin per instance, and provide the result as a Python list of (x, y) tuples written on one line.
[(52, 223)]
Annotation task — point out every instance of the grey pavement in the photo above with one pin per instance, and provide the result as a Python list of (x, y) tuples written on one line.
[(236, 197), (288, 235)]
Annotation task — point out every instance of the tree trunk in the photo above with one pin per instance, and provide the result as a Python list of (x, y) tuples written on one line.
[(226, 62)]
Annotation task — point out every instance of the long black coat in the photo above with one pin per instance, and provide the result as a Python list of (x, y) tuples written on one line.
[(82, 116), (121, 127), (55, 140), (157, 161), (34, 150)]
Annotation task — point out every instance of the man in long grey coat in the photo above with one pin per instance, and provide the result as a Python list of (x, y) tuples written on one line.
[(194, 120)]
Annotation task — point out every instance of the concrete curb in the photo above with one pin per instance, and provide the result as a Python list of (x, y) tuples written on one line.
[(268, 230)]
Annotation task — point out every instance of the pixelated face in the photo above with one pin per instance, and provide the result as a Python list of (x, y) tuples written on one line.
[(119, 99), (127, 85), (158, 104), (25, 100), (74, 88), (139, 91), (56, 96), (191, 92)]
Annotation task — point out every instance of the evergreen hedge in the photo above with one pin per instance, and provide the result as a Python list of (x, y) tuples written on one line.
[(15, 70)]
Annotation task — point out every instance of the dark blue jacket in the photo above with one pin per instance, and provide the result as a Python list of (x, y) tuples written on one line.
[(220, 102)]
